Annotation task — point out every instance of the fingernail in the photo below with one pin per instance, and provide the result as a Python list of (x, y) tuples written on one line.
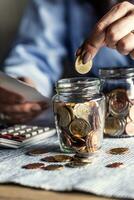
[(78, 52), (86, 57)]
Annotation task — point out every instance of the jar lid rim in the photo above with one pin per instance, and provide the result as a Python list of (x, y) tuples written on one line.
[(115, 72), (68, 82)]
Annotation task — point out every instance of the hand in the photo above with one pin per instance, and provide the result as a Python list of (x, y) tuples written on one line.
[(15, 109), (114, 30)]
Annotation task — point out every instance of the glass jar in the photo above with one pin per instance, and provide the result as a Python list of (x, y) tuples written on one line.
[(79, 110), (118, 87)]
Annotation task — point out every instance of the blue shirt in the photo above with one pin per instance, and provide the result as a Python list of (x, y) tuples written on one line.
[(50, 31)]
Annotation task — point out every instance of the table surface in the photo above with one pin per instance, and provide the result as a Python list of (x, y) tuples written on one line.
[(14, 192)]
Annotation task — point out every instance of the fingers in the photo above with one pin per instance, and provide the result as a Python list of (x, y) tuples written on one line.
[(126, 44), (23, 108), (119, 30), (7, 96), (107, 30), (117, 12)]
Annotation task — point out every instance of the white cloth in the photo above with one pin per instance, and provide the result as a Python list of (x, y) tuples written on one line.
[(94, 178)]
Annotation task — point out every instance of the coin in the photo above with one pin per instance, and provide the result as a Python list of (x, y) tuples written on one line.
[(113, 127), (48, 159), (128, 119), (36, 152), (77, 158), (57, 158), (115, 165), (130, 129), (82, 110), (118, 151), (76, 164), (118, 102), (92, 142), (64, 117), (79, 128), (52, 167), (82, 68), (33, 166), (131, 113)]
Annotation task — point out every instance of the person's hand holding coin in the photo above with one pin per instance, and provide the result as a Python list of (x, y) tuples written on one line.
[(115, 30), (15, 109)]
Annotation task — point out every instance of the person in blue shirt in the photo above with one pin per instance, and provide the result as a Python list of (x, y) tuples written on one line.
[(52, 30)]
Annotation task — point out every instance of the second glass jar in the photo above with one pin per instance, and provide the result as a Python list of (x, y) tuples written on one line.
[(118, 87)]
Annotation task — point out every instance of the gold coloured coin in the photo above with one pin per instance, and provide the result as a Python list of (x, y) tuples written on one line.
[(33, 166), (79, 128), (36, 152), (130, 129), (53, 167), (92, 142), (131, 113), (118, 151), (83, 68), (64, 117), (57, 158), (82, 110), (118, 102), (78, 159), (113, 127), (76, 164)]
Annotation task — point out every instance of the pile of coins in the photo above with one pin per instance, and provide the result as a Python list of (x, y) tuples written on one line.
[(120, 114), (56, 162), (79, 126)]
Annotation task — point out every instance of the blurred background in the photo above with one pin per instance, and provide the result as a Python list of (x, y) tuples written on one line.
[(11, 12)]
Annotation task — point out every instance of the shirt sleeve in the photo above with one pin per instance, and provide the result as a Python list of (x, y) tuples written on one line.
[(39, 49)]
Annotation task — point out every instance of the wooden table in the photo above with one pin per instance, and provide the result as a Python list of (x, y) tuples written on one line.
[(13, 192)]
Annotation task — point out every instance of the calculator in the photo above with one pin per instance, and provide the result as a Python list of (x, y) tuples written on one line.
[(24, 135)]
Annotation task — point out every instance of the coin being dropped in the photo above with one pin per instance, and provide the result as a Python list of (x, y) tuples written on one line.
[(64, 116), (118, 151), (33, 166), (115, 165), (130, 129), (36, 152), (82, 68), (79, 128), (53, 167), (57, 158)]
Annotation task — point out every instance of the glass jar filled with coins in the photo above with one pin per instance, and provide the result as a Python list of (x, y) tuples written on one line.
[(79, 110), (118, 88)]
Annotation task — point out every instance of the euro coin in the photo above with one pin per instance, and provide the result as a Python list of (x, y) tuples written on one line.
[(82, 68), (76, 164), (64, 117), (130, 129), (118, 103), (82, 110), (33, 166), (52, 167), (92, 142), (36, 152), (76, 158), (115, 165), (114, 127), (57, 158), (131, 113), (79, 128), (118, 151)]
